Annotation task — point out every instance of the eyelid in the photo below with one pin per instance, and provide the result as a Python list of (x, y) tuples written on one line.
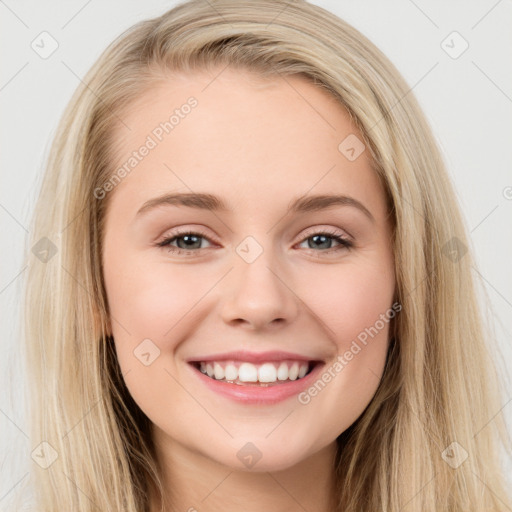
[(330, 230), (314, 230), (179, 231), (343, 240)]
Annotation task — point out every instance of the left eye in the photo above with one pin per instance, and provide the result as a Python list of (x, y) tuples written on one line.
[(192, 240), (320, 239)]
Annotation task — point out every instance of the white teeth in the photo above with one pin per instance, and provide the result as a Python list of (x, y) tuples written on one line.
[(219, 371), (282, 371), (293, 372), (248, 373), (267, 373), (231, 372)]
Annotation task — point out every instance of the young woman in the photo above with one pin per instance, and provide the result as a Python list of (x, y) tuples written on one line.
[(249, 282)]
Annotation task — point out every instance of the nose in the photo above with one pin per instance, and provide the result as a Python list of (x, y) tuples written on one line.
[(258, 295)]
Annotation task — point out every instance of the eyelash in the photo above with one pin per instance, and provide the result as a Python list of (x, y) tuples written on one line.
[(344, 242)]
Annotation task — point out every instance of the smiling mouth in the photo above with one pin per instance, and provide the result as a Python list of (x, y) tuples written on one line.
[(267, 374)]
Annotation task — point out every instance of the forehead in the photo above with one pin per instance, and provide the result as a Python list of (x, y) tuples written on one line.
[(251, 140)]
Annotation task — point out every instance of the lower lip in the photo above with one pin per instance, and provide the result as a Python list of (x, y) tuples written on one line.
[(254, 394)]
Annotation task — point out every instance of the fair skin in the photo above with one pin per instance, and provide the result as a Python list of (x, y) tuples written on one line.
[(257, 145)]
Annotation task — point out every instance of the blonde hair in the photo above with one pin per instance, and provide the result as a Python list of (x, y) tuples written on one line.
[(440, 385)]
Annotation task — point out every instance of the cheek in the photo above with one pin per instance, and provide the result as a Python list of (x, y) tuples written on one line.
[(351, 300), (150, 300), (152, 310), (354, 305)]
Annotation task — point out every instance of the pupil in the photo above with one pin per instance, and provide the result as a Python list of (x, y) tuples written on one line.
[(319, 240), (189, 240), (326, 241)]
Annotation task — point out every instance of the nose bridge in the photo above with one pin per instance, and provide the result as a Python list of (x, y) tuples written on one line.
[(257, 290)]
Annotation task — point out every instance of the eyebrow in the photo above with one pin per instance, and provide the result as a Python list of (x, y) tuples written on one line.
[(213, 203)]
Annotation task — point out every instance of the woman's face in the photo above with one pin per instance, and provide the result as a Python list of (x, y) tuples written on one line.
[(263, 176)]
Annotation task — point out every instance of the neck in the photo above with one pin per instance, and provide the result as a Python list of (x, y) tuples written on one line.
[(194, 482)]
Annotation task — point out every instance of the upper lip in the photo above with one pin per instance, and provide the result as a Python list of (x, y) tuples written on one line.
[(252, 357)]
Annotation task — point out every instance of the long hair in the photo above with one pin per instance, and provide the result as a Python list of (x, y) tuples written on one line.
[(429, 440)]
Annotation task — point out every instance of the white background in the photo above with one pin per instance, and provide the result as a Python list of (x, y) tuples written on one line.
[(468, 102)]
